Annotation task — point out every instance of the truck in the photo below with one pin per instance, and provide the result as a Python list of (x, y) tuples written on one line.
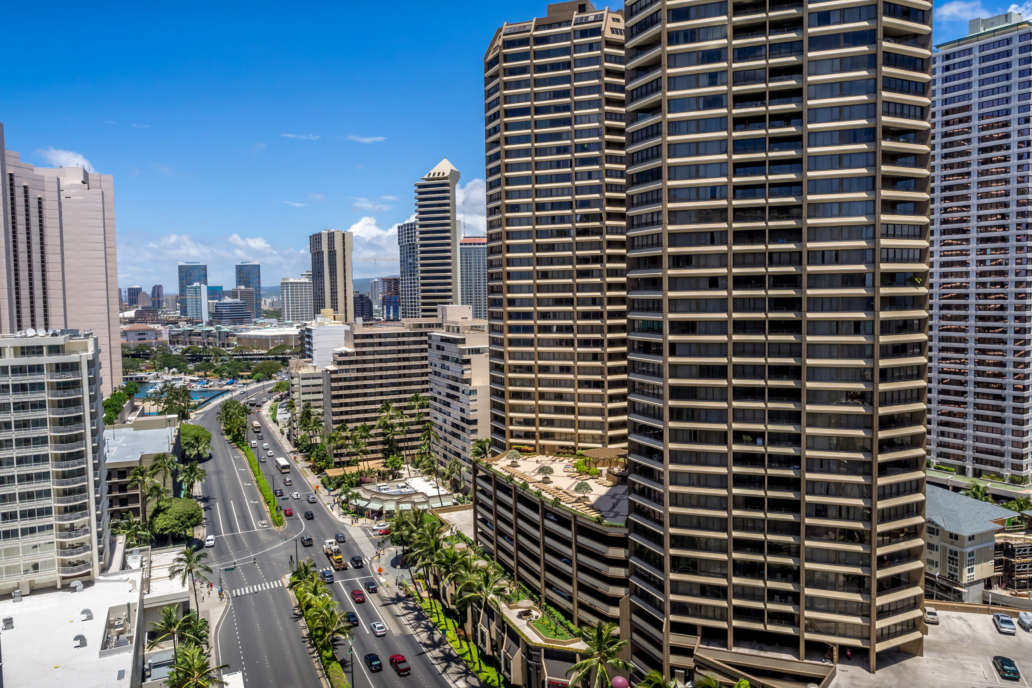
[(333, 553)]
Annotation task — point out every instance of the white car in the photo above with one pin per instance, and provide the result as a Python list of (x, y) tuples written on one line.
[(270, 452), (296, 495), (1025, 620), (209, 541), (379, 629), (381, 525), (254, 444), (265, 445), (311, 499)]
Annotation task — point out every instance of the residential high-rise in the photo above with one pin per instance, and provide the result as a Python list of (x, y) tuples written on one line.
[(473, 274), (375, 291), (190, 272), (132, 295), (249, 274), (296, 300), (979, 400), (57, 529), (437, 230), (408, 259), (157, 296), (59, 262), (555, 230), (777, 217), (248, 296), (332, 278), (363, 306), (195, 303), (390, 298)]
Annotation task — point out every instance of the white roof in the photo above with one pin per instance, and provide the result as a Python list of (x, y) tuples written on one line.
[(441, 169)]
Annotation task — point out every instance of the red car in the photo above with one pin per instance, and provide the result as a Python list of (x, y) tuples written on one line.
[(288, 511), (383, 531), (358, 596), (400, 665)]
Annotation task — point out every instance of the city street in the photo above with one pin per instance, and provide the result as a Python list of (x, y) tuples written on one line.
[(259, 635)]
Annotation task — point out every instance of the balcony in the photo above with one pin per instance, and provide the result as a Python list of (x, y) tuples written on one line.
[(72, 551), (75, 570), (72, 516), (73, 534)]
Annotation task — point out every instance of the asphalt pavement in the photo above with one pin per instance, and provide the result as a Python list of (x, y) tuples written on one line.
[(259, 635)]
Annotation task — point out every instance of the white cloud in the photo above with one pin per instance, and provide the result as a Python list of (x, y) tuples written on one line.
[(301, 137), (368, 204), (389, 198), (314, 196), (376, 249), (960, 10), (295, 204), (471, 206), (65, 158), (1025, 8), (134, 125), (366, 139)]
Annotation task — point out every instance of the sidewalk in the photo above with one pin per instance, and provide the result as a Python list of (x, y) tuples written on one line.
[(437, 648), (214, 610)]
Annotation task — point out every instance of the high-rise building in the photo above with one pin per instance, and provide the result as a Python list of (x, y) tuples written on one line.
[(390, 298), (57, 530), (296, 299), (437, 229), (555, 232), (332, 277), (777, 217), (190, 272), (195, 302), (979, 400), (132, 295), (363, 306), (249, 274), (232, 311), (59, 262), (216, 292), (375, 291), (248, 296), (473, 274), (408, 259), (157, 296)]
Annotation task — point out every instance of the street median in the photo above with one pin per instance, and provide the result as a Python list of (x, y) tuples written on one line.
[(263, 485)]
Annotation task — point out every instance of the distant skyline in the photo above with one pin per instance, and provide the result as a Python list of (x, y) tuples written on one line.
[(234, 135)]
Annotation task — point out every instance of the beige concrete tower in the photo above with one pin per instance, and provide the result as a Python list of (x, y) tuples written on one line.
[(554, 117), (437, 239), (332, 276), (777, 216)]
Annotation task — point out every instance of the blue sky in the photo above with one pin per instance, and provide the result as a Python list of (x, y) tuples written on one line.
[(233, 132)]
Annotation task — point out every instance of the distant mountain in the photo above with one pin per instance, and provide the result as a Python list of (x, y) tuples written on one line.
[(362, 284)]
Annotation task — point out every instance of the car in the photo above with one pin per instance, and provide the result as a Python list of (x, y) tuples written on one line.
[(400, 665), (1006, 668), (306, 540), (309, 515), (265, 445), (288, 512), (259, 435), (340, 537), (1004, 623), (379, 630), (382, 528), (380, 524), (383, 531), (287, 482), (356, 562), (372, 660), (326, 575), (358, 596), (311, 499), (371, 586), (295, 494), (261, 459), (254, 444), (1025, 620), (271, 452), (209, 541), (931, 616), (351, 618), (278, 492)]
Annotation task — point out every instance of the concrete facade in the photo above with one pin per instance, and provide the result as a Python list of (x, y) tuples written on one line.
[(437, 229), (296, 301), (332, 276)]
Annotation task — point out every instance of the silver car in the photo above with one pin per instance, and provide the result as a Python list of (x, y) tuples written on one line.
[(1004, 623), (1025, 620)]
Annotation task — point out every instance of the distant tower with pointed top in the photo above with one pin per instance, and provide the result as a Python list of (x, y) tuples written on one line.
[(437, 240)]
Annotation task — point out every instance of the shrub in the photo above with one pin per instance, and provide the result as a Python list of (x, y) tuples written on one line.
[(263, 484)]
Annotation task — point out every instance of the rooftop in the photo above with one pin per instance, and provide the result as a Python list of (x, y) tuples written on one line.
[(269, 332), (960, 514), (601, 495), (162, 588), (127, 443), (43, 648)]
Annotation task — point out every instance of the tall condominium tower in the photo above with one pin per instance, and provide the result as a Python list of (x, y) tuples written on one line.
[(132, 295), (390, 298), (58, 261), (332, 285), (375, 291), (190, 272), (980, 401), (437, 229), (777, 281), (157, 296), (408, 258), (195, 302), (554, 110), (249, 274), (296, 300), (473, 275)]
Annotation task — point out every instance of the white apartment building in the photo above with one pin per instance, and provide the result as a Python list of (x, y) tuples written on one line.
[(53, 492), (195, 302), (321, 337), (980, 420), (296, 299), (408, 259)]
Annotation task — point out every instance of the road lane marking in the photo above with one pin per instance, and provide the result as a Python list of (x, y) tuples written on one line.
[(259, 587), (232, 511), (218, 513)]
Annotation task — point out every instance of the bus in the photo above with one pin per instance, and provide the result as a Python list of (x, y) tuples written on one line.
[(256, 426), (282, 464)]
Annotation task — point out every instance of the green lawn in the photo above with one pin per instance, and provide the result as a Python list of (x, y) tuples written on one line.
[(469, 653), (551, 629)]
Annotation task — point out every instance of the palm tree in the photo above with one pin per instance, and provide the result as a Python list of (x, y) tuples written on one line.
[(1020, 504), (190, 565), (480, 586), (195, 445), (452, 470), (155, 494), (360, 436), (426, 546), (193, 669), (387, 424), (327, 623), (195, 629), (141, 478), (190, 475), (979, 491), (303, 571), (134, 530), (338, 438), (481, 449), (166, 465), (171, 625), (603, 654), (655, 679)]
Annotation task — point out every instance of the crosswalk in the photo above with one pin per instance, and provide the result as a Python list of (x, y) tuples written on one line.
[(260, 587)]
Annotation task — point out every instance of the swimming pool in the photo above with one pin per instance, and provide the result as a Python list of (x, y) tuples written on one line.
[(200, 396)]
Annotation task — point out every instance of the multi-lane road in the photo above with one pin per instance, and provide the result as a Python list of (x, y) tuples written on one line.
[(259, 635)]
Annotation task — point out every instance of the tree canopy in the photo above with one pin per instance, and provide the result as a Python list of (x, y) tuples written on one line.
[(177, 517)]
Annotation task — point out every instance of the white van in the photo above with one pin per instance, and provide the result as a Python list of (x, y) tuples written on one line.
[(209, 541), (254, 444)]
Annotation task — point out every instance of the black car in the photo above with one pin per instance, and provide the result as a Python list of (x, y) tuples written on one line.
[(306, 540), (372, 660), (309, 515), (340, 537), (356, 562), (351, 618), (278, 492), (326, 575), (1006, 667), (370, 586)]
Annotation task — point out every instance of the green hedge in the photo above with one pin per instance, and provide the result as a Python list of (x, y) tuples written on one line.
[(335, 672), (263, 484), (468, 652)]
